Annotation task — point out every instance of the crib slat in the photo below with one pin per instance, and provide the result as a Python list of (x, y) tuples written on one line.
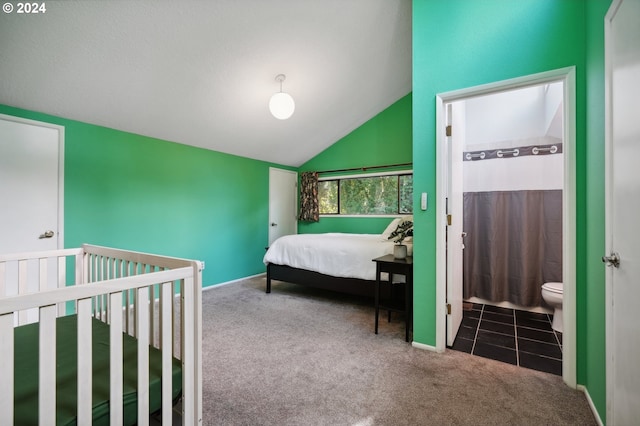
[(85, 366), (3, 275), (179, 354), (62, 281), (47, 366), (43, 273), (22, 287), (188, 356), (6, 369), (152, 312), (142, 323), (115, 340), (81, 276), (166, 344)]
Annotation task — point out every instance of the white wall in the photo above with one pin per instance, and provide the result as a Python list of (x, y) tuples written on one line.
[(525, 117), (513, 115), (514, 174)]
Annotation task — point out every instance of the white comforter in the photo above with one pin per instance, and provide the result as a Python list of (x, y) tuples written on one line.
[(336, 254)]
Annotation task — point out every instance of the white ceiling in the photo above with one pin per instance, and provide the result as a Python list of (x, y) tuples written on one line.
[(202, 72)]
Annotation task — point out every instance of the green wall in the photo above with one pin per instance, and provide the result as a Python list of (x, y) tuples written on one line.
[(384, 139), (591, 342), (139, 193), (493, 40)]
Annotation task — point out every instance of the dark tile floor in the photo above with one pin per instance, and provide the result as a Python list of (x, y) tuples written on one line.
[(509, 335)]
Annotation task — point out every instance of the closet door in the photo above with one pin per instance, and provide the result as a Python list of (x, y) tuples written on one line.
[(30, 185), (283, 203)]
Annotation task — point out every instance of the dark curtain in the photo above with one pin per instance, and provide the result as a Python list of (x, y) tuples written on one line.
[(309, 209), (513, 244)]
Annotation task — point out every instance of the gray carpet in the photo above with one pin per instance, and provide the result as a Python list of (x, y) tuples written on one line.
[(301, 356)]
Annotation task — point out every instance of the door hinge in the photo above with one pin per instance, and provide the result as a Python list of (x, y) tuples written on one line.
[(448, 308), (449, 218), (448, 130)]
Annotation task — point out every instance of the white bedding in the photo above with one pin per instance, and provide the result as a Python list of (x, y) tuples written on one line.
[(336, 254)]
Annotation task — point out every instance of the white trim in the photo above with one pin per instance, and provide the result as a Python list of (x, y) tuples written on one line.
[(425, 347), (60, 130), (366, 215), (365, 175), (567, 76), (596, 415), (213, 286), (509, 305), (441, 214)]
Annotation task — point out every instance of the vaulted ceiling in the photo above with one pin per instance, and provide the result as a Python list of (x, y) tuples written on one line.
[(201, 72)]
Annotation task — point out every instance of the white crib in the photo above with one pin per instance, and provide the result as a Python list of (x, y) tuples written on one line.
[(131, 293)]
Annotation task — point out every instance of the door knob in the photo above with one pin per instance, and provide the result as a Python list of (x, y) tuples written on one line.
[(47, 234), (274, 224), (612, 260)]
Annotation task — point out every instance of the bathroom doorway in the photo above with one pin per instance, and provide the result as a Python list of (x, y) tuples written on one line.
[(495, 154)]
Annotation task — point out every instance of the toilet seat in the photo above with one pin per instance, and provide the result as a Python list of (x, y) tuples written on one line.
[(553, 287)]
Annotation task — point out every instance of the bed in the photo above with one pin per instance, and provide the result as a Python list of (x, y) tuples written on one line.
[(333, 261), (96, 335)]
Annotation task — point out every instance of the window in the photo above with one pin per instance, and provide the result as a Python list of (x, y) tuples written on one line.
[(367, 195)]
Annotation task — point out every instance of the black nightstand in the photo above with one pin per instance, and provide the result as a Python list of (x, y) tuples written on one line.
[(391, 265)]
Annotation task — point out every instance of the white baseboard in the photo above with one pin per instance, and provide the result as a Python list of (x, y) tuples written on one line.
[(591, 405), (209, 287), (537, 309), (424, 347)]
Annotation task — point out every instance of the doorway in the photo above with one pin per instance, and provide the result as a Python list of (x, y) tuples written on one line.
[(451, 238), (31, 185), (283, 203)]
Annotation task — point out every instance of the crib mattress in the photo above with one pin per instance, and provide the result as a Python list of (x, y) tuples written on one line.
[(26, 374)]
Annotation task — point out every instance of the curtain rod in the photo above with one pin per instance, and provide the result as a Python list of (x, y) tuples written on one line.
[(365, 168)]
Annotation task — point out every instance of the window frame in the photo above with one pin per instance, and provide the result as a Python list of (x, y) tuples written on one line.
[(338, 178)]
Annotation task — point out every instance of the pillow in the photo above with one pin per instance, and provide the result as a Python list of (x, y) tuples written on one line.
[(390, 228), (408, 218)]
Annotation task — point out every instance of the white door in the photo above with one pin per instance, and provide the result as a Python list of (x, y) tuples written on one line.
[(455, 142), (30, 185), (283, 206), (623, 204)]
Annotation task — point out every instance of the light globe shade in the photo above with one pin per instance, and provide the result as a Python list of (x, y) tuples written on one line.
[(282, 105)]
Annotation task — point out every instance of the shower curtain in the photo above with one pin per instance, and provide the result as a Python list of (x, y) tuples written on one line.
[(513, 244)]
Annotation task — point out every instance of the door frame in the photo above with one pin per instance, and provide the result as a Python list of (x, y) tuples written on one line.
[(60, 129), (567, 76)]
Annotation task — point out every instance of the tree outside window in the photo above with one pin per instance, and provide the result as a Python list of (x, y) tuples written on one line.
[(375, 195)]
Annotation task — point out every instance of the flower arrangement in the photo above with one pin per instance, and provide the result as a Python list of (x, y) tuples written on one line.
[(404, 230)]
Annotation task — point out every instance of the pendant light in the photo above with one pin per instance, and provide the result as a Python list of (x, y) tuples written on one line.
[(281, 104)]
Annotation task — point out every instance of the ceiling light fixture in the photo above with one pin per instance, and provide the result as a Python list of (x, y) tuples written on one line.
[(281, 104)]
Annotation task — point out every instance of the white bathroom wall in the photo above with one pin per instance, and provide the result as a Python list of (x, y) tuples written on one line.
[(505, 116), (553, 109), (515, 174), (526, 117), (510, 116)]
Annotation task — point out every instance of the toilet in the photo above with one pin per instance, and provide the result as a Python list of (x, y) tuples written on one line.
[(552, 294)]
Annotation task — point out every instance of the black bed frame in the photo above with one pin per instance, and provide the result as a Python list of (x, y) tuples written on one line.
[(353, 286)]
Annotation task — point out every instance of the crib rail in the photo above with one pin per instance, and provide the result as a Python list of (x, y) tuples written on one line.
[(121, 288)]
